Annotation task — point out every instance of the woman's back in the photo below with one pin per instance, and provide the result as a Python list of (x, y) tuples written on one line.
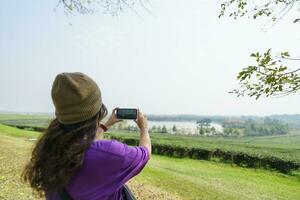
[(108, 165)]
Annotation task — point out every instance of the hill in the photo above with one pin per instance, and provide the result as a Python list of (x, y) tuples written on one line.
[(163, 178)]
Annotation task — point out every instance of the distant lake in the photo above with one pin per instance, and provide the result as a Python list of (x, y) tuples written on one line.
[(188, 126)]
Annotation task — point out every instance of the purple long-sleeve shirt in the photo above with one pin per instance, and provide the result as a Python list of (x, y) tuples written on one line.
[(108, 164)]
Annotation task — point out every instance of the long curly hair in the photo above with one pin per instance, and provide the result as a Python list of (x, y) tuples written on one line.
[(59, 153)]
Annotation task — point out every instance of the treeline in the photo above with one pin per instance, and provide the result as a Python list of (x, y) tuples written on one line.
[(239, 158), (252, 128), (215, 118), (292, 120), (184, 118), (124, 126)]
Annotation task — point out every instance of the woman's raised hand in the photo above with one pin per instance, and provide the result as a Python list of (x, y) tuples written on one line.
[(112, 119), (144, 135), (141, 121)]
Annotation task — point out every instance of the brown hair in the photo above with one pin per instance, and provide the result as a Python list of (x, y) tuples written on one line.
[(59, 153)]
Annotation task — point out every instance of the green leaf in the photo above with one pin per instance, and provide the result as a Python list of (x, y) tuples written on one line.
[(286, 54), (297, 20), (281, 69)]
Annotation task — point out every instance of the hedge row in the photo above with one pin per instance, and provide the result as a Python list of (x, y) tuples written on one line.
[(29, 128), (238, 158)]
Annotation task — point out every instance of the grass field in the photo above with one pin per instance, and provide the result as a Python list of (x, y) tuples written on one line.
[(7, 130), (163, 177)]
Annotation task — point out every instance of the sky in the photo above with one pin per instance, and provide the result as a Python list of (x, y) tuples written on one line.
[(179, 58)]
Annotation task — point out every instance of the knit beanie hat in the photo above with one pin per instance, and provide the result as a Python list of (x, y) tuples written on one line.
[(76, 97)]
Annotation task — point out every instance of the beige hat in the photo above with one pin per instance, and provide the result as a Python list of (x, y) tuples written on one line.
[(76, 97)]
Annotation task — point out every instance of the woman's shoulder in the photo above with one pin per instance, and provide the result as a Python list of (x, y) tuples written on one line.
[(109, 146)]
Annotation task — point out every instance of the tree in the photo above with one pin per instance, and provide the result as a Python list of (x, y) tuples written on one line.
[(159, 129), (153, 129), (213, 130), (113, 7), (275, 10), (164, 129), (269, 76), (174, 129), (201, 131), (236, 132)]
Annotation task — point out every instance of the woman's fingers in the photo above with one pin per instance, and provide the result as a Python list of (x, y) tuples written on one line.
[(140, 114), (113, 118), (114, 111)]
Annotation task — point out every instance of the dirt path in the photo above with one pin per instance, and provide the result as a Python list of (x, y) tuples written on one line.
[(12, 159), (143, 191), (13, 154)]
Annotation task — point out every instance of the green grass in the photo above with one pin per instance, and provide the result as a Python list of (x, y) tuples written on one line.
[(11, 131), (192, 179), (162, 178)]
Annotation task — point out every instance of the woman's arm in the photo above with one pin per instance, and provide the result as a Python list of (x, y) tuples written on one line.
[(141, 123), (144, 134)]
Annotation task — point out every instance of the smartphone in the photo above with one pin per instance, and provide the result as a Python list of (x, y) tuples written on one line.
[(126, 113)]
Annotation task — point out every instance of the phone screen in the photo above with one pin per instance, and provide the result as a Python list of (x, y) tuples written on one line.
[(126, 113)]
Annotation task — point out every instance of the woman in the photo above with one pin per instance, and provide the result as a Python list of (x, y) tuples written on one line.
[(71, 160)]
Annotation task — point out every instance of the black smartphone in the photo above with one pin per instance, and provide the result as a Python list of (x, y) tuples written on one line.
[(126, 113)]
